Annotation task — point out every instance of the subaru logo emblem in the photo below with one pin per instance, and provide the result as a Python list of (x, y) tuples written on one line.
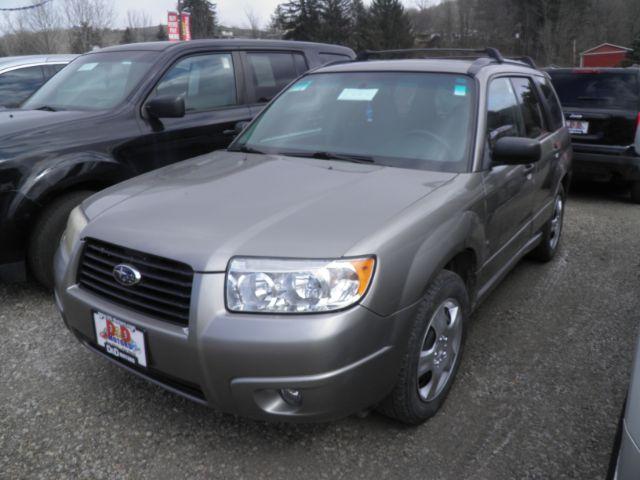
[(126, 275)]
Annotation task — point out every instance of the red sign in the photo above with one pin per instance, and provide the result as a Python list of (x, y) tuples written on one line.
[(173, 26), (185, 22)]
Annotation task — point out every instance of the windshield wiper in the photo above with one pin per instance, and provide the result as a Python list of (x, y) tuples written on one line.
[(47, 108), (347, 157), (245, 149)]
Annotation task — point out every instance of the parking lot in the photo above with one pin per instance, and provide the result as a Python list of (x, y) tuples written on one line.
[(538, 395)]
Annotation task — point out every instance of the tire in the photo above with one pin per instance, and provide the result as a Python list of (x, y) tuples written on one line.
[(552, 231), (635, 192), (46, 234), (415, 398)]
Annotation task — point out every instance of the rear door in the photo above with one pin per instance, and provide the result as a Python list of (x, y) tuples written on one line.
[(268, 72), (601, 106), (214, 101)]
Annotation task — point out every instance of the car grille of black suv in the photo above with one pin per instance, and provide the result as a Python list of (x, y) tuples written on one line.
[(164, 290)]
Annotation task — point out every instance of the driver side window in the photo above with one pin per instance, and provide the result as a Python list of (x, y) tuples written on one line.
[(503, 110), (206, 82)]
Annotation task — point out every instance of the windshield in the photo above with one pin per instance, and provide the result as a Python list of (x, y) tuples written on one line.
[(618, 90), (409, 120), (98, 81)]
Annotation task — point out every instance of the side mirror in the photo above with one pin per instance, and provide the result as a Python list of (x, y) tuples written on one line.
[(516, 151), (237, 129), (165, 107)]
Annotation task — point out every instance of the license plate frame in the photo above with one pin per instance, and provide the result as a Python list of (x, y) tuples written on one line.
[(120, 339), (578, 127)]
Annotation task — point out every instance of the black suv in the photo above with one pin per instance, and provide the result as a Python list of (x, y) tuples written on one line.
[(121, 111), (602, 110)]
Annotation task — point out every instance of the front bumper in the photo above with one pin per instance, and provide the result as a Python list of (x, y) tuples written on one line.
[(342, 362), (605, 163)]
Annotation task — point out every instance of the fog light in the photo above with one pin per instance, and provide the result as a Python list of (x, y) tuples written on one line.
[(291, 396)]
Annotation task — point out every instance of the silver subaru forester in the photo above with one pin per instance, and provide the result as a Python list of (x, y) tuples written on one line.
[(327, 262)]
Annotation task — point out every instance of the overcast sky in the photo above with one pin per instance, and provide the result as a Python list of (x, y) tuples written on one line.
[(230, 12)]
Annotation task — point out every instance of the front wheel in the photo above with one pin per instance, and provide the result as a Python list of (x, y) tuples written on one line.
[(434, 352), (46, 234), (552, 231)]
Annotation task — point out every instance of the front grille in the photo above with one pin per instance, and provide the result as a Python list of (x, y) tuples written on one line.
[(164, 291)]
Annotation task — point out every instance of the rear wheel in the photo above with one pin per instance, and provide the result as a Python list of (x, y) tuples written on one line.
[(434, 351), (635, 192), (552, 231), (46, 234)]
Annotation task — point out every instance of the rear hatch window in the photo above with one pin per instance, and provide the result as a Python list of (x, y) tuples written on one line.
[(613, 90), (601, 106)]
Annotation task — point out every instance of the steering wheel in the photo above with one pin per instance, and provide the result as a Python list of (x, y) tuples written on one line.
[(445, 148)]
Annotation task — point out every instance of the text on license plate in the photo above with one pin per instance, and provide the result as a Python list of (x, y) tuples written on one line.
[(578, 127), (120, 339)]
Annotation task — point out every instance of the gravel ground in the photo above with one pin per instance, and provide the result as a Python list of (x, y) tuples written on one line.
[(538, 395)]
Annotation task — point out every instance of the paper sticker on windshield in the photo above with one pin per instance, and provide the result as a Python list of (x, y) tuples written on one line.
[(226, 64), (301, 86), (460, 91), (358, 94), (87, 67)]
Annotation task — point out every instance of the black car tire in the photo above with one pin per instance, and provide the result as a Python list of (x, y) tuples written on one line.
[(635, 192), (46, 234), (404, 403), (548, 247)]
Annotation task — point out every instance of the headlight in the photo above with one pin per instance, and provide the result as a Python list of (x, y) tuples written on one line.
[(296, 286), (76, 223)]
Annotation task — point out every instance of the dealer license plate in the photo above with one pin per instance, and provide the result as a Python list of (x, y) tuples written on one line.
[(577, 127), (120, 339)]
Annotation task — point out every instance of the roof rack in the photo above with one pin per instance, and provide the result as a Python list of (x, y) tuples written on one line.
[(492, 53), (482, 56)]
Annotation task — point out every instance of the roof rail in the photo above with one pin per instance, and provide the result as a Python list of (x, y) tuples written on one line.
[(526, 60), (492, 53)]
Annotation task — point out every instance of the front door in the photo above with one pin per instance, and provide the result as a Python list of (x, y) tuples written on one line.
[(509, 189), (210, 89)]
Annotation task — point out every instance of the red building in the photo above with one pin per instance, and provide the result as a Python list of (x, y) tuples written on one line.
[(605, 55)]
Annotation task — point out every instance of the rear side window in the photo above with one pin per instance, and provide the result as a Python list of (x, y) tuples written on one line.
[(207, 82), (555, 110), (530, 106), (597, 89), (18, 85), (270, 72), (503, 111)]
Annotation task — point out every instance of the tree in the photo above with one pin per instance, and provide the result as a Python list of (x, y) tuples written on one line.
[(139, 22), (253, 19), (391, 26), (300, 20), (203, 17), (88, 20), (127, 37), (335, 21), (360, 38), (161, 33)]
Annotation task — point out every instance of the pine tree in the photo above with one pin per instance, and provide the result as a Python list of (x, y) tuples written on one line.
[(360, 38), (300, 20), (161, 34), (391, 26), (335, 21), (127, 36), (203, 17)]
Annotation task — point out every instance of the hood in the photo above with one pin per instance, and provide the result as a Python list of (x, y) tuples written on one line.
[(207, 210), (14, 122)]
